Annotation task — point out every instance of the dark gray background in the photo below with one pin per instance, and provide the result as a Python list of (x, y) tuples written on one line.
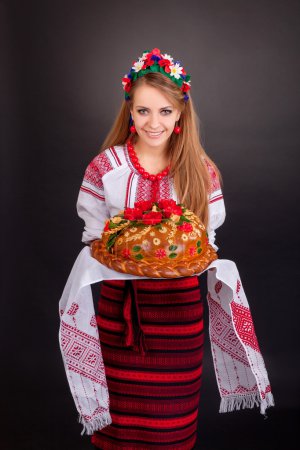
[(62, 63)]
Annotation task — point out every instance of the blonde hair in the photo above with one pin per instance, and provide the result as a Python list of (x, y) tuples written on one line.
[(188, 158)]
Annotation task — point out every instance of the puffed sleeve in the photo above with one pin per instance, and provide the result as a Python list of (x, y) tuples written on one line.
[(216, 206), (91, 206)]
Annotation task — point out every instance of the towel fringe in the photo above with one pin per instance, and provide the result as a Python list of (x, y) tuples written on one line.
[(96, 424), (236, 402)]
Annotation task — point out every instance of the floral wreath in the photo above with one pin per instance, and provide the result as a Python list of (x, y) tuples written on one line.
[(154, 61)]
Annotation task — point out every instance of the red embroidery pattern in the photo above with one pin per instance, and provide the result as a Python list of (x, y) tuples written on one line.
[(263, 393), (73, 309), (222, 333), (165, 188), (143, 189), (244, 325), (98, 411), (93, 321), (96, 169), (240, 390), (215, 182), (82, 353)]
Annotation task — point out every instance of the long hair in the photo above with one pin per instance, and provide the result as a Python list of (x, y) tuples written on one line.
[(188, 159)]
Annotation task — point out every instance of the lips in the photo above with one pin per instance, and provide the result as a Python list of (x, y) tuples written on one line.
[(154, 134)]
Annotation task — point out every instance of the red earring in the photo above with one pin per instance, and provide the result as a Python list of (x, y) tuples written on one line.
[(177, 129), (132, 127)]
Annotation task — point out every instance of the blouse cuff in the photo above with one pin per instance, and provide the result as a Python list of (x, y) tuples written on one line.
[(211, 239)]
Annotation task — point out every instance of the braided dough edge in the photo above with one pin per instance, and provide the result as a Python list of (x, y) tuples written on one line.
[(153, 270)]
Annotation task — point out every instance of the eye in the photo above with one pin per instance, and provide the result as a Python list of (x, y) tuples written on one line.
[(165, 112)]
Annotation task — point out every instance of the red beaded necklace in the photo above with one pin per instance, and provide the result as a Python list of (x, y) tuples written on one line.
[(154, 178)]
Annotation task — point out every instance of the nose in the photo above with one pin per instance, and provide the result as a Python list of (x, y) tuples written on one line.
[(153, 121)]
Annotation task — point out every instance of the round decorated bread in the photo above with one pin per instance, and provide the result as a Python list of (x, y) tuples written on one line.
[(156, 240)]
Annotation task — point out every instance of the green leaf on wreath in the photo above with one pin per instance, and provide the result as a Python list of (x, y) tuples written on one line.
[(172, 255), (139, 256), (198, 243), (154, 68), (172, 248), (199, 250), (113, 225), (136, 248), (111, 240)]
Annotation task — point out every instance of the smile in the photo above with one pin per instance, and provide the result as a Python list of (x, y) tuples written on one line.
[(152, 134)]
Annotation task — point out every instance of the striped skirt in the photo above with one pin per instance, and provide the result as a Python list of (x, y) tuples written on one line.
[(151, 334)]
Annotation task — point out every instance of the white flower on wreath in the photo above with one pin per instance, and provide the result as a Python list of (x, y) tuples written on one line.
[(144, 56), (137, 66), (176, 71), (166, 56), (146, 245)]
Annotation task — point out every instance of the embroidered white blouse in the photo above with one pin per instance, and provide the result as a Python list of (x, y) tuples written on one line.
[(112, 183)]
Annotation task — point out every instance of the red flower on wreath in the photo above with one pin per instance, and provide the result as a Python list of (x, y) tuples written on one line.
[(186, 227), (185, 87), (160, 253), (126, 253), (177, 210), (156, 51), (126, 83), (133, 213), (149, 61), (164, 203), (166, 64), (144, 205), (152, 218)]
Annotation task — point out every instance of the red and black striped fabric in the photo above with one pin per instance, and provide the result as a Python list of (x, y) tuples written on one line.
[(154, 397)]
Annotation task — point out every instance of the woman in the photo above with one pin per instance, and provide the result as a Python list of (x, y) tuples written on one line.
[(153, 152), (153, 399)]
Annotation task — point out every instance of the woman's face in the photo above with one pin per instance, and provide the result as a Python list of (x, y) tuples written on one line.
[(154, 116)]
